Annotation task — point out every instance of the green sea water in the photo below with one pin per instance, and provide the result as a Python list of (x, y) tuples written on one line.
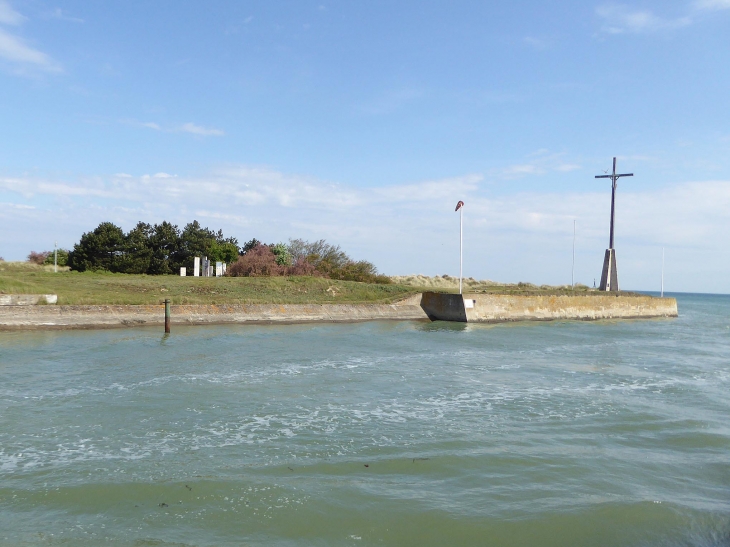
[(380, 433)]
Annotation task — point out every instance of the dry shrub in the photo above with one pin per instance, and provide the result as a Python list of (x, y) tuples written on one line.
[(37, 258), (302, 267), (257, 262)]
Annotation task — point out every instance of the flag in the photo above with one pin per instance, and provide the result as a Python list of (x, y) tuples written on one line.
[(459, 205)]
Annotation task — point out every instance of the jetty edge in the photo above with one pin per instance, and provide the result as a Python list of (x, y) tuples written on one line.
[(477, 307), (500, 308)]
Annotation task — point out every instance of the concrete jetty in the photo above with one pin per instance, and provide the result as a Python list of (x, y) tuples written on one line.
[(495, 308), (476, 307)]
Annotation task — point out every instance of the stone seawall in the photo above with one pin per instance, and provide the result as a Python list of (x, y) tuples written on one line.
[(437, 306), (494, 308), (87, 317)]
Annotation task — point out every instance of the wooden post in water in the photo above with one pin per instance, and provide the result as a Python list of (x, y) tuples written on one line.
[(167, 315)]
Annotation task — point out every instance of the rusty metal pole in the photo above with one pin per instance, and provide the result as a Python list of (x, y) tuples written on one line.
[(167, 315)]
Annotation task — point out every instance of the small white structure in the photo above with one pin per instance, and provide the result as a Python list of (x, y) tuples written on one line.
[(218, 269), (224, 268), (183, 271), (196, 266)]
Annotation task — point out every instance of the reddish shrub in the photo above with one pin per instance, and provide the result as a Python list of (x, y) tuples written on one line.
[(257, 262), (37, 258), (302, 267)]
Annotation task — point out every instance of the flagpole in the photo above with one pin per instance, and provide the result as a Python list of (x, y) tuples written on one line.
[(461, 245), (572, 270), (662, 295)]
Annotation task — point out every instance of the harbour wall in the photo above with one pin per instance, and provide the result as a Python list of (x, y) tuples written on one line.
[(496, 308), (435, 306)]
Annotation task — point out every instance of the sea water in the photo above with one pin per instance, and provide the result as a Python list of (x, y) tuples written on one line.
[(382, 433)]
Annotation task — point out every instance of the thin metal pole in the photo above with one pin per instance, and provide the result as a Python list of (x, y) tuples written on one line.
[(614, 179), (662, 272), (572, 271), (461, 245), (55, 257)]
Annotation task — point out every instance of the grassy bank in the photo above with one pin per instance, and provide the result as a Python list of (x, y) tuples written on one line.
[(104, 288)]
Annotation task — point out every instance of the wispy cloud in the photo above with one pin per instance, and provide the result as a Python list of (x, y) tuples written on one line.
[(619, 19), (712, 4), (536, 43), (59, 14), (200, 130), (403, 228), (16, 51), (8, 16), (184, 128), (537, 163)]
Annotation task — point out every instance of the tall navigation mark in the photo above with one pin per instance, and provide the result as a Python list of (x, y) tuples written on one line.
[(609, 276)]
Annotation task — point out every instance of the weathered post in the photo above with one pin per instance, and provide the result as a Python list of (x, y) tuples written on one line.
[(167, 315)]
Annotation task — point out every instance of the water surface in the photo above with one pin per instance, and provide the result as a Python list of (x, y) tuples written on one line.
[(381, 433)]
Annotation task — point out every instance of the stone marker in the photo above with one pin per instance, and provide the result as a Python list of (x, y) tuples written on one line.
[(183, 271), (196, 266), (218, 269)]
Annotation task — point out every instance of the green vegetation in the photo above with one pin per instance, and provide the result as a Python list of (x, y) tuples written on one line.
[(164, 248), (115, 288)]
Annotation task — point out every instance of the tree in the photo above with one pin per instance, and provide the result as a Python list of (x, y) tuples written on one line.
[(138, 253), (165, 245), (61, 257), (281, 252), (101, 249)]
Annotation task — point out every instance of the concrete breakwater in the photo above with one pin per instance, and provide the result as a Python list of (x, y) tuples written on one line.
[(495, 308), (436, 306), (110, 316)]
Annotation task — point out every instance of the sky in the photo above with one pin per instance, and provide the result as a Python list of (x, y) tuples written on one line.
[(363, 123)]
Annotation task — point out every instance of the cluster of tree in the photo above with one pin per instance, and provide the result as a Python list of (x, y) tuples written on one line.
[(164, 248), (300, 257), (47, 257), (159, 249)]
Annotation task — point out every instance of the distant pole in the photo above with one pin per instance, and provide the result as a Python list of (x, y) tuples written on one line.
[(55, 257), (662, 272), (460, 208), (572, 271), (167, 315)]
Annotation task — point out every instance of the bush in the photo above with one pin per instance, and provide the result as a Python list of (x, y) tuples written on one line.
[(37, 258), (257, 262), (61, 257)]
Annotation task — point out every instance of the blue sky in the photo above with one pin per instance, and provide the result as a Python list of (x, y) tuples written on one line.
[(364, 123)]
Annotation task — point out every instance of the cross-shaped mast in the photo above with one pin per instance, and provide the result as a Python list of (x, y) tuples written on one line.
[(614, 178), (609, 276)]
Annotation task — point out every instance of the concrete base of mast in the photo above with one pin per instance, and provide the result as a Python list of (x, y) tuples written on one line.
[(609, 276)]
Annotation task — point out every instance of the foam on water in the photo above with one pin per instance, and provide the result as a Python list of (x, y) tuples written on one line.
[(605, 433)]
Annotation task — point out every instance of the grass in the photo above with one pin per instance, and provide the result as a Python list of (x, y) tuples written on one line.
[(105, 288)]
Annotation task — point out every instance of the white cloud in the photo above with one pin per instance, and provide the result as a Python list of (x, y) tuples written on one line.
[(59, 14), (537, 43), (712, 4), (619, 19), (163, 176), (403, 228), (14, 50), (540, 162), (199, 130), (8, 16)]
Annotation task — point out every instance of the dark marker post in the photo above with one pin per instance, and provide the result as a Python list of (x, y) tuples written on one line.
[(167, 315)]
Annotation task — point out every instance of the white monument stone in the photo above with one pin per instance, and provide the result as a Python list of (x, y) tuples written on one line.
[(196, 266), (183, 271)]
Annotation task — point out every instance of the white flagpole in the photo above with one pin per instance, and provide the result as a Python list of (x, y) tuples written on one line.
[(461, 245), (572, 271), (662, 272)]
